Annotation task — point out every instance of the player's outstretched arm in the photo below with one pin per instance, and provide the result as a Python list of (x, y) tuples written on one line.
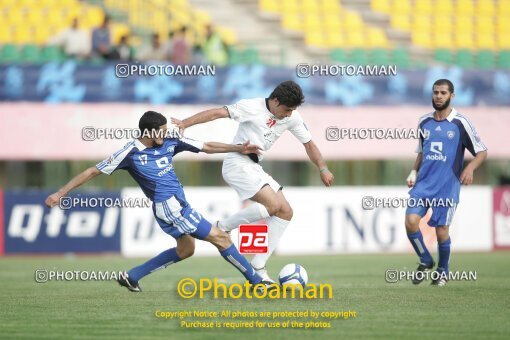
[(466, 177), (245, 148), (78, 180), (201, 117), (315, 156), (411, 179)]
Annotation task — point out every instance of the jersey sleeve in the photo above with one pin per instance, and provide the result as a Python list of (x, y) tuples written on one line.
[(300, 130), (471, 140), (119, 160), (188, 144), (419, 147), (239, 111)]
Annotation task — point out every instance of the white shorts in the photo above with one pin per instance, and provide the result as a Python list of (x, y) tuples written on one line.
[(246, 176)]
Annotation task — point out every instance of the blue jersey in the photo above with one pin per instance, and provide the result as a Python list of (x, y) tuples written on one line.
[(442, 144), (152, 167)]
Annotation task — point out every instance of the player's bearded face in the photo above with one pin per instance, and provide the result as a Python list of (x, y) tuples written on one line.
[(440, 107)]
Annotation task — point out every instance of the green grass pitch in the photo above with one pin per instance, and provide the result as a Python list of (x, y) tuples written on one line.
[(102, 310)]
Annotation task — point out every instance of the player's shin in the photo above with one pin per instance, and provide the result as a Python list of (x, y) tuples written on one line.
[(232, 255), (444, 256), (416, 240), (276, 228), (161, 261), (250, 214)]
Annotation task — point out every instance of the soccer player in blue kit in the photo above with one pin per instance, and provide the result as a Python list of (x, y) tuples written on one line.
[(437, 175), (148, 160)]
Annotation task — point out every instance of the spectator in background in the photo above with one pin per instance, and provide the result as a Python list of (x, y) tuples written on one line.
[(152, 51), (214, 48), (168, 46), (101, 43), (181, 49), (123, 51), (74, 42)]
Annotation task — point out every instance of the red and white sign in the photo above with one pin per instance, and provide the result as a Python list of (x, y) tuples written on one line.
[(501, 218), (253, 238)]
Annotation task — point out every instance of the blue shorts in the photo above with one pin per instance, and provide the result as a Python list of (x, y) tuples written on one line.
[(441, 216), (177, 218)]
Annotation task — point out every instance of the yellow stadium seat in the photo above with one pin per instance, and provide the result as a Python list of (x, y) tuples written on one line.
[(423, 7), (310, 6), (376, 38), (401, 7), (6, 35), (503, 25), (330, 6), (315, 39), (270, 6), (485, 7), (485, 41), (292, 22), (291, 6), (484, 25), (442, 40), (463, 40), (312, 23), (355, 39), (421, 23), (352, 20), (464, 7), (332, 22), (464, 24), (503, 42), (422, 39), (383, 6), (444, 7), (442, 23), (402, 22), (503, 8), (335, 39)]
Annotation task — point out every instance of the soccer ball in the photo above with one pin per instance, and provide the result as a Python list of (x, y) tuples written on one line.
[(293, 274)]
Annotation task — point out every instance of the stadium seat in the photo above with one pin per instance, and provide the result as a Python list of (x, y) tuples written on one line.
[(464, 58), (383, 6), (423, 7), (31, 54), (359, 56), (485, 7), (464, 7), (380, 56), (400, 56), (402, 22), (443, 55), (339, 55), (51, 53), (504, 59), (9, 54), (402, 7), (485, 59)]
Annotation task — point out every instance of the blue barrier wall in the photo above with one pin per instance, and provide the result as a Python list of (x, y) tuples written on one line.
[(72, 82)]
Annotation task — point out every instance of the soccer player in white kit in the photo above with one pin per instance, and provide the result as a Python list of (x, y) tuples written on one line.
[(262, 121)]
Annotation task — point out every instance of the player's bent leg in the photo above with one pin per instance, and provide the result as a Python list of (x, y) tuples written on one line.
[(277, 225), (250, 214), (221, 240), (412, 223), (185, 246)]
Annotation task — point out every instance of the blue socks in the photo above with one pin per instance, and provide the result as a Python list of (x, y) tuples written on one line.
[(241, 263), (444, 256), (416, 240), (161, 261)]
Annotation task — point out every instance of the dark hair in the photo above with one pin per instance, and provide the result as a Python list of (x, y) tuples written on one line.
[(444, 82), (151, 120), (288, 93)]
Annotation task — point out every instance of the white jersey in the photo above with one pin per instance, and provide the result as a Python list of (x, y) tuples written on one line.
[(261, 127)]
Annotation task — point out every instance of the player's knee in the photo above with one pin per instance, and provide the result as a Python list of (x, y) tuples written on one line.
[(412, 224), (187, 251), (220, 239), (286, 212), (273, 207)]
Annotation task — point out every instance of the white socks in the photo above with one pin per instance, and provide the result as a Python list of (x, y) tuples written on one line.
[(252, 213), (276, 228)]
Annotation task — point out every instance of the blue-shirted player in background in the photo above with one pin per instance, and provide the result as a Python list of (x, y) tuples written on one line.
[(438, 173), (149, 161)]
